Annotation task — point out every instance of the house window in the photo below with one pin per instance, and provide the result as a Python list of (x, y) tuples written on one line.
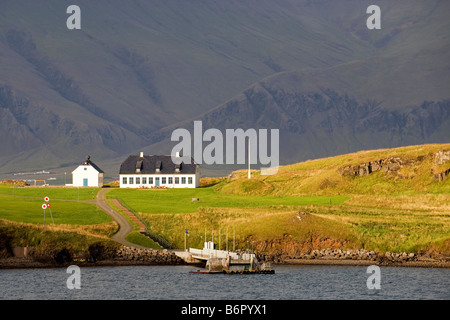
[(144, 180), (131, 180), (163, 180), (124, 180), (138, 180), (85, 169), (170, 180), (190, 180), (177, 180), (150, 180), (183, 180)]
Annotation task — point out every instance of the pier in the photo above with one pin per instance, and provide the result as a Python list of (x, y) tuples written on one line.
[(222, 261)]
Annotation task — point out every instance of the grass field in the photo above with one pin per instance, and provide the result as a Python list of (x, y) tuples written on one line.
[(77, 224), (407, 223), (396, 224), (23, 204), (305, 204), (381, 211), (156, 201), (29, 210), (51, 192)]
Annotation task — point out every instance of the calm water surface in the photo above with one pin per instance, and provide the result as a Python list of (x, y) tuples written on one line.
[(175, 282)]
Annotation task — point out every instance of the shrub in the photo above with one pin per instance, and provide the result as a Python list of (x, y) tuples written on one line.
[(63, 256), (5, 245), (102, 250), (52, 254)]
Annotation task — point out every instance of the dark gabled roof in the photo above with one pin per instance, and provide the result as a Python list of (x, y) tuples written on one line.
[(149, 165), (88, 162)]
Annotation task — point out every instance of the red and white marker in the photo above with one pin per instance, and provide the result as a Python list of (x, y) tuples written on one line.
[(48, 205), (47, 199), (44, 206)]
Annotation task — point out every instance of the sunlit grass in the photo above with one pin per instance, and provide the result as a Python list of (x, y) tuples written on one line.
[(76, 238), (180, 200), (51, 192), (29, 210)]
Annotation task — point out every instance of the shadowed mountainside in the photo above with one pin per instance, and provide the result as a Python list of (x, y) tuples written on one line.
[(136, 71)]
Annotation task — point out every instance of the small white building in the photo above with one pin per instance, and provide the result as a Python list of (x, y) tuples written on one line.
[(158, 171), (87, 174)]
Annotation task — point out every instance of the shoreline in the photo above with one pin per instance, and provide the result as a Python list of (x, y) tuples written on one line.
[(29, 263), (428, 263)]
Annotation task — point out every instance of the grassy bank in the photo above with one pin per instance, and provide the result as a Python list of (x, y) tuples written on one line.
[(77, 224), (393, 210), (310, 204), (156, 201), (29, 210), (322, 177)]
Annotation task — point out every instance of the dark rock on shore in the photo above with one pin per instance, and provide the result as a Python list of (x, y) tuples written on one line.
[(98, 255), (137, 256), (150, 256), (340, 255)]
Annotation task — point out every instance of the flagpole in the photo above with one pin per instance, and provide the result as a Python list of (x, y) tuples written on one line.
[(51, 215), (234, 235), (249, 158), (226, 245)]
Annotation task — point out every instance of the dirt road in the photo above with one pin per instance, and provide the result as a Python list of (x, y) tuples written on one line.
[(125, 226)]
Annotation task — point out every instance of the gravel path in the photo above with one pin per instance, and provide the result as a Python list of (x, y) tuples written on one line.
[(125, 226)]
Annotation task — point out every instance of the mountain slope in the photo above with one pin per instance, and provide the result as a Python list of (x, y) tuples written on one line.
[(137, 70), (319, 122)]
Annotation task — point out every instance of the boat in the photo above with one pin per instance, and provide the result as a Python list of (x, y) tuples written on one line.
[(233, 272), (228, 262)]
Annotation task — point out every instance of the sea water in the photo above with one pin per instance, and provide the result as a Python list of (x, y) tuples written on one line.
[(176, 283)]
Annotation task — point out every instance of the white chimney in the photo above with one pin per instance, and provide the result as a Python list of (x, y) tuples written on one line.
[(142, 155)]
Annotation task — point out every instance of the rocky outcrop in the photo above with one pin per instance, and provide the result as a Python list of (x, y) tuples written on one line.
[(285, 250), (291, 248), (398, 257), (148, 256), (441, 175), (389, 165), (392, 165), (341, 254), (441, 157)]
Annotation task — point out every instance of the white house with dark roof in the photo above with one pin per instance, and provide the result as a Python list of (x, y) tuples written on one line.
[(88, 174), (139, 171)]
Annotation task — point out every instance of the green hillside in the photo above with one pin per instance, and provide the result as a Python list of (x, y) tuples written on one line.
[(403, 205), (314, 204), (328, 176)]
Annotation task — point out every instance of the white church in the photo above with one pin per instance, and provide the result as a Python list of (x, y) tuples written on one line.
[(88, 174)]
